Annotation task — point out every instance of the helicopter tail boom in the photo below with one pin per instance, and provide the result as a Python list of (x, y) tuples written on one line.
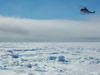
[(92, 12)]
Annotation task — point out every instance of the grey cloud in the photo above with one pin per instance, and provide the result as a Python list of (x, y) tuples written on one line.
[(16, 29), (12, 30), (90, 39)]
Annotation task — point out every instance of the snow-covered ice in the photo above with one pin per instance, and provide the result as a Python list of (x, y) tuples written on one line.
[(49, 58)]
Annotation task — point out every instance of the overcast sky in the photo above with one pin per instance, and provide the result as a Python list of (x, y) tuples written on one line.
[(49, 21)]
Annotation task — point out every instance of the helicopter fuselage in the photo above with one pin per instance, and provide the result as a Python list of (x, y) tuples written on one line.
[(85, 10)]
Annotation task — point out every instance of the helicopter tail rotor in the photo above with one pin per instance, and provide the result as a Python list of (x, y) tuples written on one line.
[(94, 12)]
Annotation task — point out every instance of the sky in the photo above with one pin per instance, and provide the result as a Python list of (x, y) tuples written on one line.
[(49, 21)]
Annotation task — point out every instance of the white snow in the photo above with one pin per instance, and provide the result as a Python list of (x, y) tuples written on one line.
[(49, 58)]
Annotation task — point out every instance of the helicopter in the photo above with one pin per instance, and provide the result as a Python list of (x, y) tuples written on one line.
[(84, 10)]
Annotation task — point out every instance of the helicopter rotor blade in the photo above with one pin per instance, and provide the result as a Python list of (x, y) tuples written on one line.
[(82, 6)]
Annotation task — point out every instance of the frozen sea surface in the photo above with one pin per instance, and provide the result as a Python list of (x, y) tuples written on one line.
[(49, 58)]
